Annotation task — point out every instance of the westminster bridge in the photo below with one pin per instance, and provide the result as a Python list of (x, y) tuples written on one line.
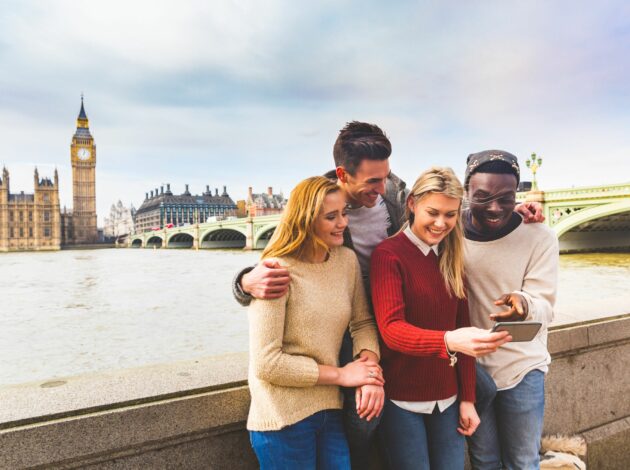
[(585, 218)]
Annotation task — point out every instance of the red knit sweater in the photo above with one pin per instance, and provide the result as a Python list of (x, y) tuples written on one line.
[(413, 310)]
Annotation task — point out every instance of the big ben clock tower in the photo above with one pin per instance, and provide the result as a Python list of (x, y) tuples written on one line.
[(83, 159)]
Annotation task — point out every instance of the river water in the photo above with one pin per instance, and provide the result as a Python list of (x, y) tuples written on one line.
[(71, 312)]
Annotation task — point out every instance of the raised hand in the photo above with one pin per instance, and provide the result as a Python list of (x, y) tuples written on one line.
[(517, 311)]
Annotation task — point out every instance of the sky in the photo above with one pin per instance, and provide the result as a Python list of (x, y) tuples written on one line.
[(250, 93)]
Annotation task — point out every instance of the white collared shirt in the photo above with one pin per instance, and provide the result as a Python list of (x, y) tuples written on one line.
[(425, 407)]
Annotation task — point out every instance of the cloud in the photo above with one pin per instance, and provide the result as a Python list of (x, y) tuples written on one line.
[(245, 93)]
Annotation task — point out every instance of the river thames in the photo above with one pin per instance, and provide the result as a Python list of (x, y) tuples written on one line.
[(72, 312)]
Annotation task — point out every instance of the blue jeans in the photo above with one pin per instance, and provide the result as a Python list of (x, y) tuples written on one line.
[(510, 430), (317, 442), (361, 434), (417, 441), (485, 390)]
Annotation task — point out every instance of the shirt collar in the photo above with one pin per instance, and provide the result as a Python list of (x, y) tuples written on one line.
[(424, 248)]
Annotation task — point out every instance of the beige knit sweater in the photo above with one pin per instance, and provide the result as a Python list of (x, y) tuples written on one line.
[(524, 261), (290, 336)]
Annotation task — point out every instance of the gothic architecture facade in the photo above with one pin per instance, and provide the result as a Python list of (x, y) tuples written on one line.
[(79, 226), (34, 221), (30, 221)]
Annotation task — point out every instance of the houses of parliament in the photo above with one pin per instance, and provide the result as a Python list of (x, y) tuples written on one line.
[(35, 221)]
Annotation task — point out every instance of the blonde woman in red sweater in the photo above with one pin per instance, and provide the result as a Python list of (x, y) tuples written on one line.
[(417, 279)]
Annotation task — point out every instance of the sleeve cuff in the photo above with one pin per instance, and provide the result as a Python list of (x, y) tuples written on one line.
[(241, 297), (530, 305)]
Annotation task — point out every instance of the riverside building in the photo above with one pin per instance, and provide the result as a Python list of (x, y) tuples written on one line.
[(264, 203), (30, 221), (35, 221), (162, 208)]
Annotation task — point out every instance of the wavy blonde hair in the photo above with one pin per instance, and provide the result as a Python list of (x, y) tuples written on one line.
[(442, 180), (295, 234)]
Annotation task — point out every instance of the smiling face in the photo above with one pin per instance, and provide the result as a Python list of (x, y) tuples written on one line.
[(364, 187), (492, 200), (332, 220), (434, 217)]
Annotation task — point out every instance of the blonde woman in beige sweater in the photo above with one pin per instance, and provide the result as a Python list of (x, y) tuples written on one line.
[(295, 415)]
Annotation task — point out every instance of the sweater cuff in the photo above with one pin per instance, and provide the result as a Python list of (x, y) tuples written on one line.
[(530, 305), (237, 290), (368, 344)]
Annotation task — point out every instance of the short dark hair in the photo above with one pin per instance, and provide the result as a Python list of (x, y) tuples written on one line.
[(359, 141)]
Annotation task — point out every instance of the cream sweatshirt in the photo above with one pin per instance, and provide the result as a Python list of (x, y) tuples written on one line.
[(290, 336), (524, 261)]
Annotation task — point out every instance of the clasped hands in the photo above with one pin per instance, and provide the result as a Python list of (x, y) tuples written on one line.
[(367, 376)]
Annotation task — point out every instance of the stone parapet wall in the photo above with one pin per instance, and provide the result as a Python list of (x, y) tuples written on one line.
[(192, 414)]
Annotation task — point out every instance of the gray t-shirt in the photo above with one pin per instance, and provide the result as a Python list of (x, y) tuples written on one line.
[(368, 227)]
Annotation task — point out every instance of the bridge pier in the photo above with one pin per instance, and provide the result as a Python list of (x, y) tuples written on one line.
[(249, 237)]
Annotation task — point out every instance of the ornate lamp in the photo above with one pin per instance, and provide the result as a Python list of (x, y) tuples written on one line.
[(533, 163)]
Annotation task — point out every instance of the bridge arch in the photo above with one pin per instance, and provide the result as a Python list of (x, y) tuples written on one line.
[(181, 240), (580, 229), (155, 241), (593, 213), (223, 238), (263, 235), (136, 243)]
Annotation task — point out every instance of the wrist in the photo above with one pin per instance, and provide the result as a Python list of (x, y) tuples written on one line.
[(340, 376), (242, 280), (449, 346)]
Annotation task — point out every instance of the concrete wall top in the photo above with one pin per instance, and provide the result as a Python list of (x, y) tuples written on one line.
[(73, 396)]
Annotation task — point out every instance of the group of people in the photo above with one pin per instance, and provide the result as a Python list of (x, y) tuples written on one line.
[(371, 310)]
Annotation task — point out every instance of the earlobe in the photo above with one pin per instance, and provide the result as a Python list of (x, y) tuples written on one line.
[(341, 174)]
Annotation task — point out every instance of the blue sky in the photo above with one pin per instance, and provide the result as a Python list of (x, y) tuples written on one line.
[(244, 93)]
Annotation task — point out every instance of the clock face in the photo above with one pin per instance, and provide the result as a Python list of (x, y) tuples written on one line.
[(83, 154)]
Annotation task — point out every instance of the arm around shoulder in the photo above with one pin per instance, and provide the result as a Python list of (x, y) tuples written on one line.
[(240, 295)]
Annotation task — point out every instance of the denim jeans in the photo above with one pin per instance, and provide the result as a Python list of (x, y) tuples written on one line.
[(418, 441), (315, 443), (485, 391), (511, 428), (361, 434)]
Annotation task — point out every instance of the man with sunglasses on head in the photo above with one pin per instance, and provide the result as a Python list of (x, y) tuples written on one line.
[(376, 201), (510, 266)]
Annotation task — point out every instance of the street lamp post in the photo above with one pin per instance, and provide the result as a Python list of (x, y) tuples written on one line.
[(533, 163)]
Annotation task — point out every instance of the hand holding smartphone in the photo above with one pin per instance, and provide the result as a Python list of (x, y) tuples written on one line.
[(518, 330)]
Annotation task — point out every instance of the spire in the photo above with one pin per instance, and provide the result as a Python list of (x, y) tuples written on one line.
[(82, 120), (82, 114)]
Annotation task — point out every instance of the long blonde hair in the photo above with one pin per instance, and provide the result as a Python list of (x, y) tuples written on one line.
[(295, 234), (442, 180)]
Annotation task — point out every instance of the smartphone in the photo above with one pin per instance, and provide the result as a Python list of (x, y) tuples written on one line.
[(519, 330)]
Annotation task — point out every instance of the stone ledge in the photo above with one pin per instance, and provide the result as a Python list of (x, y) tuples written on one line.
[(91, 393), (607, 445), (128, 430)]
